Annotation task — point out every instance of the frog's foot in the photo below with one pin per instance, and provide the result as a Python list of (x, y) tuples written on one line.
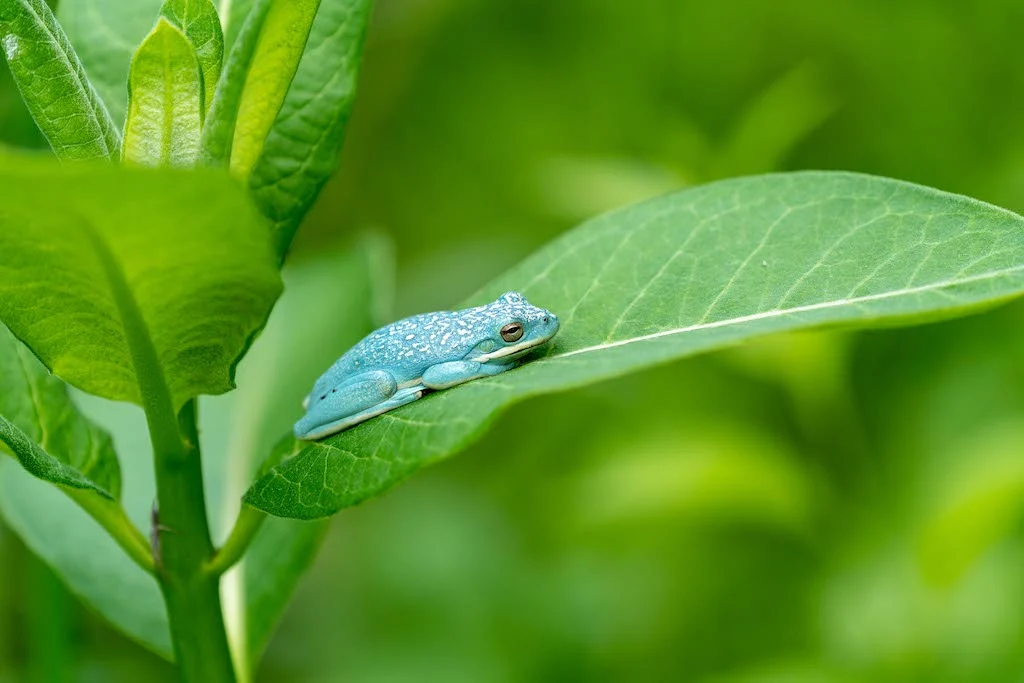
[(444, 375)]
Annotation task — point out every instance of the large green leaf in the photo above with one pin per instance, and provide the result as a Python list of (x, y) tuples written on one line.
[(172, 265), (199, 21), (105, 34), (53, 83), (242, 427), (304, 145), (165, 101), (683, 274)]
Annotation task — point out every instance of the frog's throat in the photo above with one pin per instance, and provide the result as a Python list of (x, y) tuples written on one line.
[(511, 350)]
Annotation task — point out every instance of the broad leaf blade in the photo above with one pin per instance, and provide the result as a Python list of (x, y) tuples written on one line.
[(199, 21), (165, 101), (684, 274), (44, 430), (105, 34), (53, 83), (186, 247), (304, 145)]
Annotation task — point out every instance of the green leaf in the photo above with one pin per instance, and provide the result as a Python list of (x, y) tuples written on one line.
[(241, 427), (258, 73), (45, 432), (199, 21), (78, 542), (233, 19), (178, 261), (77, 547), (274, 62), (105, 34), (304, 145), (165, 101), (53, 83), (684, 274)]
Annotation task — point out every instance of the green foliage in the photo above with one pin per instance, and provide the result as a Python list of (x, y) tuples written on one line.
[(683, 274), (54, 84), (820, 507), (199, 21), (105, 35), (165, 101), (45, 431), (95, 259), (301, 149)]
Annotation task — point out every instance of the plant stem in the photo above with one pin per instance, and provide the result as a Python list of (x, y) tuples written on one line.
[(192, 595), (248, 523), (182, 538)]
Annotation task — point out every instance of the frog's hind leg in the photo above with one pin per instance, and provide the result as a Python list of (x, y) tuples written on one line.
[(360, 398), (401, 397)]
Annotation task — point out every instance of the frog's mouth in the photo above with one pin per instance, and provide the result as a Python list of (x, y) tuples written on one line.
[(513, 352)]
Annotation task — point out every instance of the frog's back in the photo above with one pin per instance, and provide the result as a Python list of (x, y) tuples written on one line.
[(404, 348)]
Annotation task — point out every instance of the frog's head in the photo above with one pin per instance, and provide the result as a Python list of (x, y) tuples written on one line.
[(515, 327)]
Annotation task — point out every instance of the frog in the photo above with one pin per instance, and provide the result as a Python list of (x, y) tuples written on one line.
[(399, 363)]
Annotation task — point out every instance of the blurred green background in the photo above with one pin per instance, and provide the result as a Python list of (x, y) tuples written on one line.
[(816, 508)]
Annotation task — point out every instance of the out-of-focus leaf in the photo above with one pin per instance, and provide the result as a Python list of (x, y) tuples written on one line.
[(54, 84), (85, 556), (71, 541), (302, 148), (240, 428), (165, 101), (177, 261), (105, 34), (683, 274), (198, 20), (233, 19), (980, 502)]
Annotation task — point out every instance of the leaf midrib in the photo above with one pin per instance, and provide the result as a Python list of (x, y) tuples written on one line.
[(774, 313)]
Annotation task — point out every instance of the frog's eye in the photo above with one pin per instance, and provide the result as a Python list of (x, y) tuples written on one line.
[(512, 332)]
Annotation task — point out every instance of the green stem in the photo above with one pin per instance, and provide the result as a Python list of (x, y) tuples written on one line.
[(192, 596), (112, 517), (183, 544), (248, 523)]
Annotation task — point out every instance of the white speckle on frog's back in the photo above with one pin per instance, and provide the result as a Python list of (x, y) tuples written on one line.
[(10, 43)]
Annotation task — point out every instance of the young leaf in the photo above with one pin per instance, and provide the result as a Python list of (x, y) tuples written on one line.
[(684, 274), (130, 275), (303, 146), (165, 101), (53, 83), (199, 21), (274, 61), (105, 34), (43, 430), (256, 78)]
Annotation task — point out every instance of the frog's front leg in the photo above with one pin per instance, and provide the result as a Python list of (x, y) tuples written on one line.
[(444, 375), (360, 398)]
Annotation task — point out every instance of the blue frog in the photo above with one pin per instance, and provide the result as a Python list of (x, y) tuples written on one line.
[(399, 362)]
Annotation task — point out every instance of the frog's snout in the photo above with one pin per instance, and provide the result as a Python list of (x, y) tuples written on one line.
[(551, 323)]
